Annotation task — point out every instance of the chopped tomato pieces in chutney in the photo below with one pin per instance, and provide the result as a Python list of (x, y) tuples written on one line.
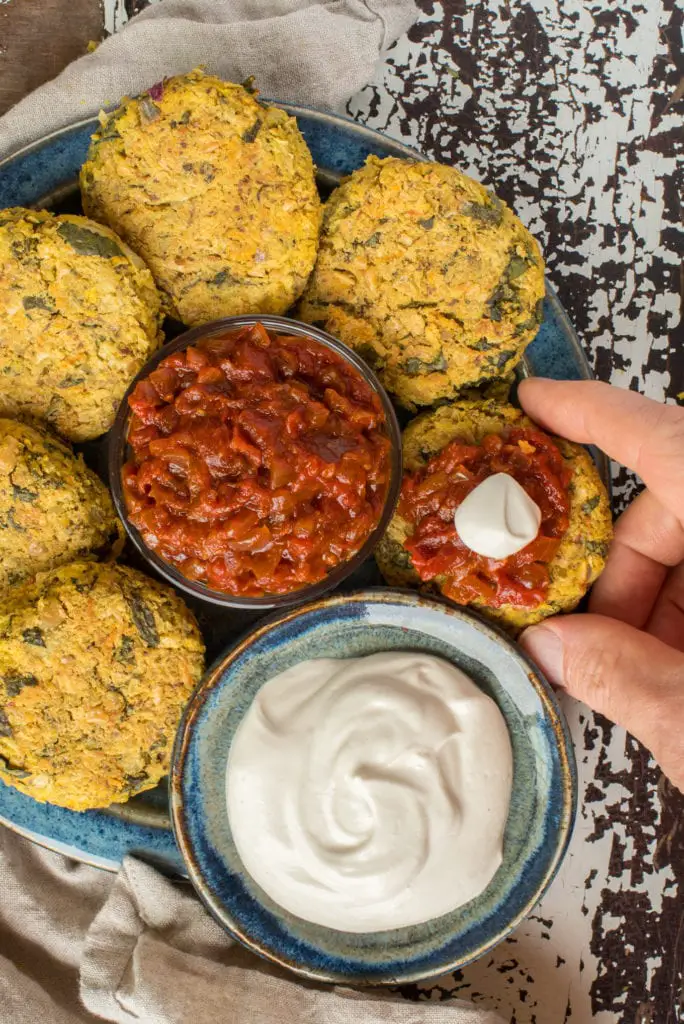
[(430, 497), (259, 461)]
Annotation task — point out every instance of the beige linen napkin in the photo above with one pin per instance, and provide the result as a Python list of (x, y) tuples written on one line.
[(142, 949), (299, 50)]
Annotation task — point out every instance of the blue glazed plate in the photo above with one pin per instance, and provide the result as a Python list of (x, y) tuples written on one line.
[(44, 174), (540, 819)]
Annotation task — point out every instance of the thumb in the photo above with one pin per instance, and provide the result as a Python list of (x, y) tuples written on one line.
[(630, 677)]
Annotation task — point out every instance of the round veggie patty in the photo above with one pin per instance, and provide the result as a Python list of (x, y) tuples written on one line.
[(216, 192), (80, 316), (581, 556), (53, 509), (96, 665), (430, 277)]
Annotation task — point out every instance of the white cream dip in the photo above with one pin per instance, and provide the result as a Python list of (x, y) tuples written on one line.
[(498, 518), (370, 793)]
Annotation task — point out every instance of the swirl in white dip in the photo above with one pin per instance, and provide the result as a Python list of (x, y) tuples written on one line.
[(370, 793)]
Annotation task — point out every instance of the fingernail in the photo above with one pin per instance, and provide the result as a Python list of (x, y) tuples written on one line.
[(545, 648)]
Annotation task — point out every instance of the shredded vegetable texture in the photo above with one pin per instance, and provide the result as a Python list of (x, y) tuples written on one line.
[(214, 190), (430, 277), (431, 496), (259, 462), (96, 665), (80, 317)]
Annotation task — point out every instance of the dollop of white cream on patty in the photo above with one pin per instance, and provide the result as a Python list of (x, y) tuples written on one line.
[(498, 518), (370, 793)]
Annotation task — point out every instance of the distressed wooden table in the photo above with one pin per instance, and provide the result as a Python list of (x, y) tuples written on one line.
[(571, 110)]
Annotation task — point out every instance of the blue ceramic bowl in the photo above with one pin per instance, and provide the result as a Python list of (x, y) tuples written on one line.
[(540, 820)]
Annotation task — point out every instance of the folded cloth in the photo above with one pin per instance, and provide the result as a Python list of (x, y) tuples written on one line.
[(299, 50), (142, 949)]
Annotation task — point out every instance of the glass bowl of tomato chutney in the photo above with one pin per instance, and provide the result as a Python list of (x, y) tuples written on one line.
[(255, 462)]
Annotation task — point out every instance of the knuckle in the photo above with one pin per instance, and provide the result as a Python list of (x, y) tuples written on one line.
[(589, 671), (663, 435)]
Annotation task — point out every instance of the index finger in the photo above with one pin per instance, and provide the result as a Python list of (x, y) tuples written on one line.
[(642, 434)]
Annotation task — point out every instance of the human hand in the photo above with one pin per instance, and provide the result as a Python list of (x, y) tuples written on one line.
[(626, 657)]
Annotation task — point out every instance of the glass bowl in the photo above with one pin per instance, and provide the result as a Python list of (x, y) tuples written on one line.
[(118, 454)]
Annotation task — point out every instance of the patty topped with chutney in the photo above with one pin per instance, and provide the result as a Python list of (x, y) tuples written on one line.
[(215, 190), (446, 453), (96, 665), (430, 277), (80, 316), (53, 509)]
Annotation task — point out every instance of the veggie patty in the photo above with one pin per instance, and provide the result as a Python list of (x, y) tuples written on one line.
[(80, 316), (53, 509), (214, 190), (579, 558), (96, 665), (430, 277)]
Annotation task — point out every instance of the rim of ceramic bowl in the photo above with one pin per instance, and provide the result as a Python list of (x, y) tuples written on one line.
[(564, 820), (117, 450)]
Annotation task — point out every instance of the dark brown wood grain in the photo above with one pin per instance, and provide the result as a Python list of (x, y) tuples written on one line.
[(38, 38)]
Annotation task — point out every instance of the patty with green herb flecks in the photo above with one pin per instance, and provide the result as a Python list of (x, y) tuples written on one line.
[(430, 277), (97, 663), (581, 554), (53, 509), (215, 190), (80, 316)]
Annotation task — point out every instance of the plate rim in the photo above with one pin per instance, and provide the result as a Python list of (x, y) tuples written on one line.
[(313, 113), (373, 137)]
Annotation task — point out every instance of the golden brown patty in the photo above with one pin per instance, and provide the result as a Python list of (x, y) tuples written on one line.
[(582, 553), (80, 316), (430, 277), (96, 665), (53, 509), (214, 190)]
